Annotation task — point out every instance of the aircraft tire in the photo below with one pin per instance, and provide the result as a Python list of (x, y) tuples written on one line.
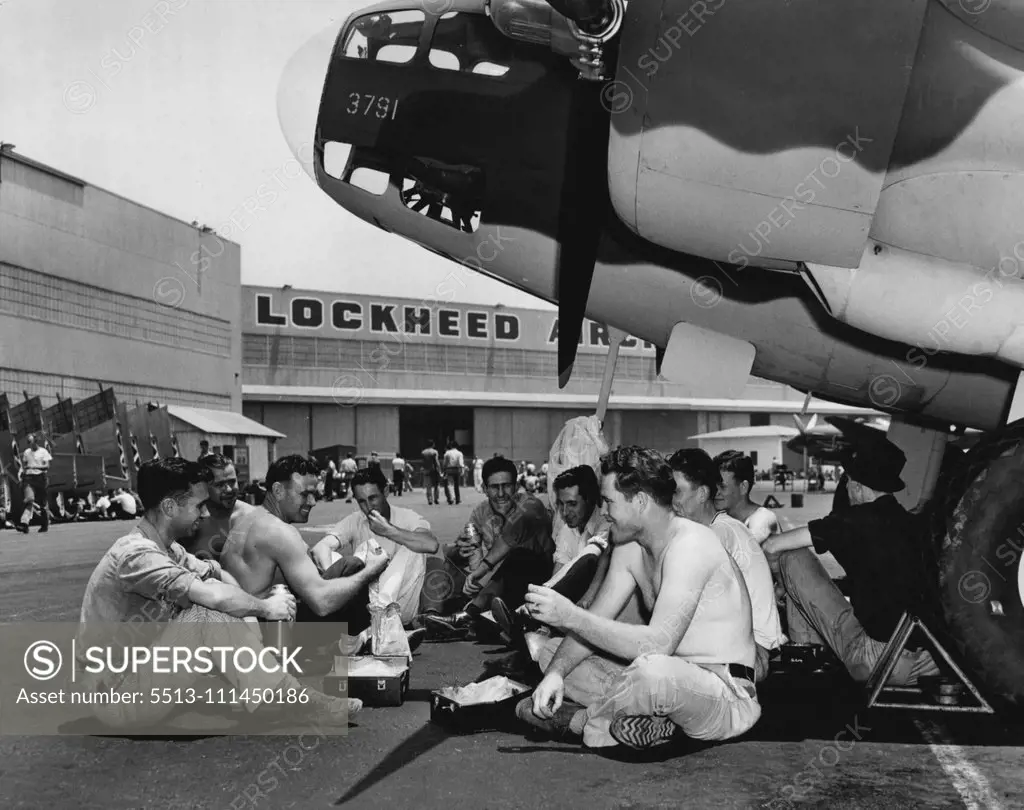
[(980, 577)]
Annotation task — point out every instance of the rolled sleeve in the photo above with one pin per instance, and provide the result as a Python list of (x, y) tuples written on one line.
[(831, 534), (152, 574), (205, 569)]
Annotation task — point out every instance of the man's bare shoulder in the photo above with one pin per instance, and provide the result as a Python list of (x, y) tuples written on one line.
[(266, 529), (241, 509), (693, 543), (692, 534)]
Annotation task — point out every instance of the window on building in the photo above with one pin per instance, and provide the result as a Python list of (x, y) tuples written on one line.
[(753, 458), (760, 419)]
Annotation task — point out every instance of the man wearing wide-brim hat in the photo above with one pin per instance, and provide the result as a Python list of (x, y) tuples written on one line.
[(875, 540)]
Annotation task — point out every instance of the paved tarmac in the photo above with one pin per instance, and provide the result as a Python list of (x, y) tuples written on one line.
[(815, 745)]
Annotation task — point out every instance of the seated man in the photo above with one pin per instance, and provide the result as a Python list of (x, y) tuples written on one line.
[(691, 667), (873, 540), (696, 477), (146, 576), (404, 535), (123, 504), (225, 507), (737, 473), (512, 548), (582, 552), (263, 548)]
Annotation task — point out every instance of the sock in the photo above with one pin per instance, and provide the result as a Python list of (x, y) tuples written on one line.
[(579, 720)]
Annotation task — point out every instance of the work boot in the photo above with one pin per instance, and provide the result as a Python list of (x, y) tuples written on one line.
[(560, 726), (512, 622)]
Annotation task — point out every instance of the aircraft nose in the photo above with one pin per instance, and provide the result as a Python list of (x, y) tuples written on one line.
[(299, 91)]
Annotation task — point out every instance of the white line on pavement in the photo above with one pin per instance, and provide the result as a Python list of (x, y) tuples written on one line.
[(969, 782)]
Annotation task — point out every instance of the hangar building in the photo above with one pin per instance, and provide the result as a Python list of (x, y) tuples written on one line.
[(385, 374)]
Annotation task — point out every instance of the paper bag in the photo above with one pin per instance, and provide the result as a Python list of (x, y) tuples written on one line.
[(388, 635)]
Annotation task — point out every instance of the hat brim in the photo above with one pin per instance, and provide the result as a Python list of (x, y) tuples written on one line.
[(874, 479)]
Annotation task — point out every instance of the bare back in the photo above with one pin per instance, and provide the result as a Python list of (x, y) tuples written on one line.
[(720, 631), (249, 554)]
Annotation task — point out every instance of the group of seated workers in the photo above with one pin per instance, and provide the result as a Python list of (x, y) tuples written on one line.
[(380, 544), (665, 619), (649, 606), (147, 576)]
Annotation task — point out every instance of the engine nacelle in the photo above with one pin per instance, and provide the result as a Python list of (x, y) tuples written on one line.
[(770, 134)]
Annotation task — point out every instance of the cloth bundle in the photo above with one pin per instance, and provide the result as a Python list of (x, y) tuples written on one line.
[(492, 690)]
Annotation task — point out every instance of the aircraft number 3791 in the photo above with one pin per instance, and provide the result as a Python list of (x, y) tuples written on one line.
[(366, 104)]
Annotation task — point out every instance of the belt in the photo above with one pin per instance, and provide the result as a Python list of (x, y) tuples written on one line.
[(740, 671)]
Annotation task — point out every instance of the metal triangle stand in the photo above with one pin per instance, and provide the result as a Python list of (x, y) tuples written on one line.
[(890, 657)]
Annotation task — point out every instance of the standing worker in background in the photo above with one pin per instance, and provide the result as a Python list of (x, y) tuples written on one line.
[(349, 468), (454, 464), (330, 480), (432, 473), (398, 473), (478, 474), (36, 461)]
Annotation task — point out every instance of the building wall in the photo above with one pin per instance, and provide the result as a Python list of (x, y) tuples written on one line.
[(666, 431), (522, 434), (293, 420), (100, 291), (312, 339), (377, 429), (766, 448)]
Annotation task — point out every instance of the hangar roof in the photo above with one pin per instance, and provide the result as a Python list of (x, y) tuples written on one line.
[(222, 422)]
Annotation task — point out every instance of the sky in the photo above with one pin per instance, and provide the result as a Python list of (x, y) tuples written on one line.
[(173, 104)]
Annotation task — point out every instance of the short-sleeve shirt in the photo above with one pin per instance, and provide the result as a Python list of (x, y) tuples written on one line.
[(398, 463), (527, 526), (430, 460), (349, 466), (763, 523), (410, 566), (876, 544), (138, 580), (749, 556), (570, 542), (35, 459)]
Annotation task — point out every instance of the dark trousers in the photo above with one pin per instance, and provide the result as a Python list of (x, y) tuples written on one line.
[(452, 477), (356, 613), (329, 487), (520, 569), (398, 477), (39, 484), (574, 583), (431, 481)]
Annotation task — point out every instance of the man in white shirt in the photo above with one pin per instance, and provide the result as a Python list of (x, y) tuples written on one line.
[(398, 474), (331, 480), (405, 537), (454, 463), (348, 470), (696, 477), (36, 468), (737, 474), (124, 504)]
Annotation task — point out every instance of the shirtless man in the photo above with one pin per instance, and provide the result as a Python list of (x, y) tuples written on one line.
[(737, 471), (224, 506), (697, 481), (264, 549), (692, 665)]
